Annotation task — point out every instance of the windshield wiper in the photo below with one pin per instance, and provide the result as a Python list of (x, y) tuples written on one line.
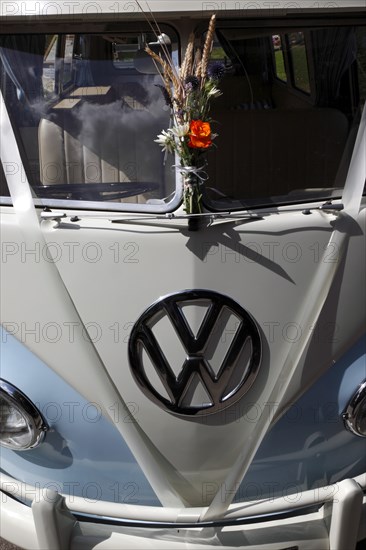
[(195, 221)]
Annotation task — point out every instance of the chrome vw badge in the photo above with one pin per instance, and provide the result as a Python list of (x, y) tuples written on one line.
[(195, 352)]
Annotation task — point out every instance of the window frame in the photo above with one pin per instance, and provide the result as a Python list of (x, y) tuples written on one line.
[(290, 53)]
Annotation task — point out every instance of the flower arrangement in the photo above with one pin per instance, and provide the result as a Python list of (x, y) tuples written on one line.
[(188, 92)]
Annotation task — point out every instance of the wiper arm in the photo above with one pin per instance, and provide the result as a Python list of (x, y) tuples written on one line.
[(195, 221)]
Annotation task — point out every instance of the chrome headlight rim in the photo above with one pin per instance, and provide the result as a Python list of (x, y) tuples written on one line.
[(16, 398), (350, 415)]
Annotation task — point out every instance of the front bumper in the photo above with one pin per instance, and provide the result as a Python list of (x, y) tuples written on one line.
[(332, 517)]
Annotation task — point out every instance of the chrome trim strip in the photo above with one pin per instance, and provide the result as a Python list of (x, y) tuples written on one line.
[(260, 518), (112, 207), (161, 514)]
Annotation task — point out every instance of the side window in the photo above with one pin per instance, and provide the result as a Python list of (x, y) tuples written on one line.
[(124, 51), (58, 64), (279, 59), (68, 61), (299, 61), (290, 60), (218, 53), (49, 65)]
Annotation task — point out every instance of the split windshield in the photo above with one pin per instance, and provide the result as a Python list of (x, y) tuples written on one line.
[(86, 109)]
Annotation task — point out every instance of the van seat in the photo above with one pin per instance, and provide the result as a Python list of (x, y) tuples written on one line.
[(264, 153), (71, 151)]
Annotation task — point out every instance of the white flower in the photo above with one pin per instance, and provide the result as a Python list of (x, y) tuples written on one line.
[(181, 130), (166, 141), (214, 92)]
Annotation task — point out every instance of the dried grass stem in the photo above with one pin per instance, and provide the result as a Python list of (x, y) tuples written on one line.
[(207, 49)]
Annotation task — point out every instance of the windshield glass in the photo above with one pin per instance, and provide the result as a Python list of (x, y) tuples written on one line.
[(85, 109), (288, 114)]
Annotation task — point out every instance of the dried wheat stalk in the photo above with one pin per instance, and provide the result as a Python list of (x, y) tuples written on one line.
[(207, 49), (197, 62), (167, 73), (187, 65)]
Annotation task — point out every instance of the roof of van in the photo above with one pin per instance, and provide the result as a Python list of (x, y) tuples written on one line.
[(44, 8)]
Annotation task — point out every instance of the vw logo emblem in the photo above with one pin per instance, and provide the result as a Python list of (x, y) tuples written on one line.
[(195, 352)]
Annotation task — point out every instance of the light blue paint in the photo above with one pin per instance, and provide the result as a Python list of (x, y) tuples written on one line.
[(84, 455), (309, 446)]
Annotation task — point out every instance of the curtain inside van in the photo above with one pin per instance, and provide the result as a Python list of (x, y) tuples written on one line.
[(335, 50)]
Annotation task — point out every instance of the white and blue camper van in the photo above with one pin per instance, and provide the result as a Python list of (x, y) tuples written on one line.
[(183, 345)]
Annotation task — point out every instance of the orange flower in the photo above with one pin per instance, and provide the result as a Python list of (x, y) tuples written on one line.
[(199, 134)]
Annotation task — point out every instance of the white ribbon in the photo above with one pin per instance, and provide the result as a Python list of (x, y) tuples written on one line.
[(356, 176), (199, 172)]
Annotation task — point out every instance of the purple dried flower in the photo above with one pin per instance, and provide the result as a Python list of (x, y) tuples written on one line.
[(216, 70), (191, 83), (166, 95)]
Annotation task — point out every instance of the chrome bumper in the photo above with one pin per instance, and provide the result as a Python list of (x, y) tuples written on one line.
[(332, 517)]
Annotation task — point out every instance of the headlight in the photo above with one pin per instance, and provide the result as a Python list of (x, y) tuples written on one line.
[(21, 424), (355, 414)]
